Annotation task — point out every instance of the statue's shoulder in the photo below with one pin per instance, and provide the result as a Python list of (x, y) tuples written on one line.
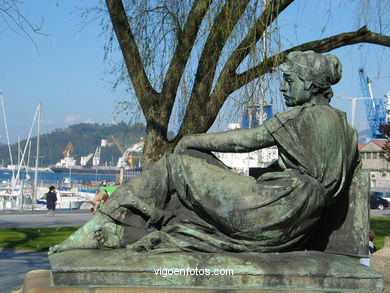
[(325, 109), (292, 113)]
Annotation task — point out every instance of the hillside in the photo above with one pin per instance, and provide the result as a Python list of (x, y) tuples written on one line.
[(84, 137)]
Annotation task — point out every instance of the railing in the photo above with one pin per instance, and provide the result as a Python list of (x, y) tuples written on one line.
[(130, 173)]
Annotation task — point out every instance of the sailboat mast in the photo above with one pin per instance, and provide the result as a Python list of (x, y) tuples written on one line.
[(18, 149), (6, 132), (34, 201)]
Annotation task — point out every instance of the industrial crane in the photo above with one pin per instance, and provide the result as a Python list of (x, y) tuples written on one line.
[(375, 110), (117, 144), (85, 160), (68, 150), (125, 155), (96, 156)]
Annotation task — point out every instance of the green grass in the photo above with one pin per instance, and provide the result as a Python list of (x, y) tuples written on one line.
[(381, 227), (40, 239), (34, 239)]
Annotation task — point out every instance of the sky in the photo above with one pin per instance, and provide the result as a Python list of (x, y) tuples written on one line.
[(66, 71)]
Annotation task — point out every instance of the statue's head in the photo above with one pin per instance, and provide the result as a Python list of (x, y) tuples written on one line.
[(309, 75)]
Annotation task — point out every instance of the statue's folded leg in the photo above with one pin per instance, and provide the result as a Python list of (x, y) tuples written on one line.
[(144, 195), (136, 208)]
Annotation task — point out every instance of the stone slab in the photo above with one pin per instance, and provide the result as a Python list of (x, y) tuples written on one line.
[(307, 270), (41, 282)]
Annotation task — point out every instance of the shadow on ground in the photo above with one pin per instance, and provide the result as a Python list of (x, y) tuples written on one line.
[(14, 264)]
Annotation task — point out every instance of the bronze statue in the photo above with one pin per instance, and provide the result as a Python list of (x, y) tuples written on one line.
[(190, 201)]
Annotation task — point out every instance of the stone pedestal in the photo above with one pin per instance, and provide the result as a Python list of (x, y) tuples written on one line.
[(303, 270), (380, 260), (40, 282)]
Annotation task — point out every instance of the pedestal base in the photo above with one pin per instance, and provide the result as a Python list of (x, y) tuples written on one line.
[(303, 270), (41, 282)]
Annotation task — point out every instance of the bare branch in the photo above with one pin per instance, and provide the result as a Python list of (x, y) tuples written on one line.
[(222, 87), (362, 35), (18, 23), (186, 40), (273, 9), (223, 25), (233, 82), (146, 94)]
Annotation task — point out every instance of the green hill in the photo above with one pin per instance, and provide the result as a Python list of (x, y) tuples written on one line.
[(84, 137)]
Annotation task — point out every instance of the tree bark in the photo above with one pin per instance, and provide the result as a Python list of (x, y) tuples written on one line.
[(195, 118)]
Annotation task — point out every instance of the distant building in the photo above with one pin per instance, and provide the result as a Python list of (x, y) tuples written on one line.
[(373, 158), (241, 162)]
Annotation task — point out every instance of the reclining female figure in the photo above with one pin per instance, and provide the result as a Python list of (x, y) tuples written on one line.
[(189, 201)]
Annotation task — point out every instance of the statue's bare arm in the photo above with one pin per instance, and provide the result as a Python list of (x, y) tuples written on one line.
[(242, 140)]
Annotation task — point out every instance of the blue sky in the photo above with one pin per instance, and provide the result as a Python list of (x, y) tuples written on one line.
[(69, 76)]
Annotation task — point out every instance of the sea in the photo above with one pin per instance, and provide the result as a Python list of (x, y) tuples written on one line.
[(57, 179)]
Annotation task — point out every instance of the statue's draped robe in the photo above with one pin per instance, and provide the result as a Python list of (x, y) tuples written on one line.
[(203, 207)]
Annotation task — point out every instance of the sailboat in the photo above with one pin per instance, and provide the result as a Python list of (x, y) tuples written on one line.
[(22, 194), (16, 194)]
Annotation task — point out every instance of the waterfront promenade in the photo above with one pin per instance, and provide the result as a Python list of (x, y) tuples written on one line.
[(14, 264), (40, 219)]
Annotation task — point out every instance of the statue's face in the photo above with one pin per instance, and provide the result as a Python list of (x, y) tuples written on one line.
[(293, 90)]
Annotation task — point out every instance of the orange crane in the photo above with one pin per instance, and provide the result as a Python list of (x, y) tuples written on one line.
[(131, 162), (129, 156), (68, 150), (117, 144)]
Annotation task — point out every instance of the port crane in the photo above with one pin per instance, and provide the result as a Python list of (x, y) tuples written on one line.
[(125, 155), (68, 150), (375, 110), (96, 156), (85, 160)]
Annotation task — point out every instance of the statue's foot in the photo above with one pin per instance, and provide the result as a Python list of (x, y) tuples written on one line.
[(83, 238), (110, 235)]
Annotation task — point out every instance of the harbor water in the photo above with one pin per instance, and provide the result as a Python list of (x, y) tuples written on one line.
[(58, 179)]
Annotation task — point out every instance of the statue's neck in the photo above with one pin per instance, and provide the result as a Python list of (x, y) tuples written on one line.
[(319, 100)]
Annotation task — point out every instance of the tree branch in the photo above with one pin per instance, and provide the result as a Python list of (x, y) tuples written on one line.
[(222, 87), (362, 35), (273, 9), (232, 82), (223, 25), (147, 96), (186, 40)]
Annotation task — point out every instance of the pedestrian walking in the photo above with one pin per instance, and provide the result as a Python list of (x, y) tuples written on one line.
[(51, 200)]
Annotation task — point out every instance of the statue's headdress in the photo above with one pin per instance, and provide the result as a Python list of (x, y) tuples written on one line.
[(322, 70)]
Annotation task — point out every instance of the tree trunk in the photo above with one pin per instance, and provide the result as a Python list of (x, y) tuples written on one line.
[(155, 146)]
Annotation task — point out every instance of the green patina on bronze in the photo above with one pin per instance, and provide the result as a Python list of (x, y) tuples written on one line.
[(314, 197)]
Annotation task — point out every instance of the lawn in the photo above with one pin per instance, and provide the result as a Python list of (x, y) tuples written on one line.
[(40, 239), (34, 239), (381, 227)]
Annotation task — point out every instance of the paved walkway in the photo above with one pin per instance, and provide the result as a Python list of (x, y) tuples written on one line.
[(41, 219), (14, 264)]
